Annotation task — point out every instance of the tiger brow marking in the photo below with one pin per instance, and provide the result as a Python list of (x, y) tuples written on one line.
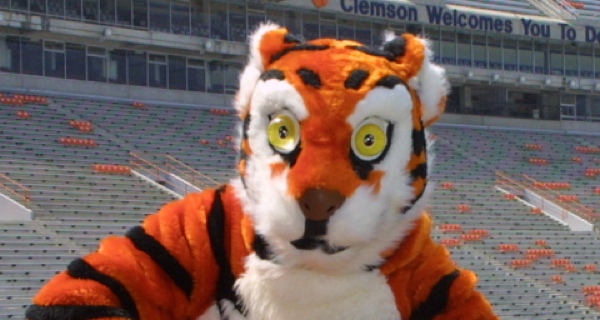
[(272, 74), (309, 77), (389, 81), (374, 52), (356, 79), (300, 47)]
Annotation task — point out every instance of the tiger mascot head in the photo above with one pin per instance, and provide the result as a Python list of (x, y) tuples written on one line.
[(333, 157)]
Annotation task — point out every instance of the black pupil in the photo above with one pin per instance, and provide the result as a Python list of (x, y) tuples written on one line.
[(369, 140), (283, 132)]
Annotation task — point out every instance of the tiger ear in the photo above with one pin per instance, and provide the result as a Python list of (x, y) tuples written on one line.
[(422, 75), (268, 40)]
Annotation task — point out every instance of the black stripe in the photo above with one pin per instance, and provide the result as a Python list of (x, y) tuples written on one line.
[(300, 47), (272, 74), (261, 248), (374, 52), (216, 231), (419, 143), (356, 79), (37, 312), (81, 269), (420, 171), (163, 258), (396, 47), (389, 81), (290, 38), (309, 77), (245, 126), (437, 300), (289, 158)]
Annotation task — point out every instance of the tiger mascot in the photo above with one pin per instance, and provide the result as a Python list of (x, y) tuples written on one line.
[(326, 220)]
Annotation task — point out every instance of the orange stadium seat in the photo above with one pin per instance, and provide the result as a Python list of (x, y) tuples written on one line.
[(463, 208), (68, 141), (450, 242), (23, 114), (534, 146), (509, 196), (590, 267), (538, 161), (577, 159), (139, 105), (560, 262), (482, 233), (110, 168), (521, 263), (506, 247), (447, 185), (451, 228), (536, 210), (558, 279), (541, 242), (471, 237)]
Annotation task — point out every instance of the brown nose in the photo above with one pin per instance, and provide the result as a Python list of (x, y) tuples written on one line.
[(320, 204)]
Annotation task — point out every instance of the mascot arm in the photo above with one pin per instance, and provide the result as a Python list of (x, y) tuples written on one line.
[(165, 269), (445, 292)]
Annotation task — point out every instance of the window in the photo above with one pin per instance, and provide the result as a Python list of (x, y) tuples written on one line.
[(180, 18), (448, 47), (363, 32), (107, 11), (199, 21), (479, 46), (237, 23), (509, 45), (160, 16), (256, 15), (571, 61), (539, 55), (586, 61), (75, 61), (5, 4), (32, 56), (597, 63), (327, 25), (19, 4), (117, 66), (275, 15), (463, 37), (196, 75), (136, 61), (526, 55), (177, 73), (157, 65), (38, 6), (54, 59), (293, 22), (346, 29), (494, 54), (73, 9), (140, 14), (124, 12), (218, 20), (216, 76), (556, 58), (310, 26), (56, 8), (10, 57), (90, 10), (96, 64)]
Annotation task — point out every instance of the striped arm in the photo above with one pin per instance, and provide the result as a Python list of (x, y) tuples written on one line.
[(164, 269)]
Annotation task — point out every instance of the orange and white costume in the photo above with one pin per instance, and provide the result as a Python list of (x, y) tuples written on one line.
[(326, 220)]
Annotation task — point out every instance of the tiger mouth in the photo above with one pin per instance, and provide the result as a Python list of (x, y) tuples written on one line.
[(312, 244)]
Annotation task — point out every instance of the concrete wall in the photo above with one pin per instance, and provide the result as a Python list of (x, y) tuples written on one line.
[(11, 210), (527, 124), (46, 85)]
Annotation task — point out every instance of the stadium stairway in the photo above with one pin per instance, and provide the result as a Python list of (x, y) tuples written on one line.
[(204, 139), (515, 290)]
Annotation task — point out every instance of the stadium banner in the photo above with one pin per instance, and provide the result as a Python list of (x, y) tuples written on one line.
[(474, 19)]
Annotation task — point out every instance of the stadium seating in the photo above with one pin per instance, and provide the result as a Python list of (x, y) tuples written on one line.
[(528, 265)]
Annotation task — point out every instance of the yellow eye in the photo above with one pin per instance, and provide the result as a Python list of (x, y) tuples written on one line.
[(284, 132), (369, 139)]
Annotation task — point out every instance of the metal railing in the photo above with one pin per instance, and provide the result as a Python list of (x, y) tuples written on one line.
[(15, 188), (518, 185), (160, 166)]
